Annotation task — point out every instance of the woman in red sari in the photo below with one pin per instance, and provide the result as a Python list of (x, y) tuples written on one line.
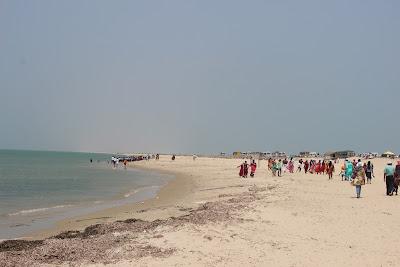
[(318, 167), (244, 169), (253, 167), (241, 171)]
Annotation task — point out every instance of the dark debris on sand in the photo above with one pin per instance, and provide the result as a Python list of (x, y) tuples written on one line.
[(112, 242)]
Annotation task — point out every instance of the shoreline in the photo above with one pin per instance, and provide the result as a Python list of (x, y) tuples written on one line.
[(261, 221), (169, 194)]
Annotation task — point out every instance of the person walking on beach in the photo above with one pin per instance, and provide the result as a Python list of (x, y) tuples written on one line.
[(279, 168), (359, 179), (270, 164), (244, 169), (330, 170), (125, 163), (369, 171), (397, 177), (253, 167), (343, 171), (306, 166), (241, 171), (300, 165), (274, 167), (388, 177), (349, 170), (323, 167)]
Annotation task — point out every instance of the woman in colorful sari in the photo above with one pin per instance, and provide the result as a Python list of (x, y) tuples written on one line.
[(358, 179), (241, 171), (244, 168), (349, 170), (312, 166), (290, 166), (317, 167), (323, 166), (253, 167)]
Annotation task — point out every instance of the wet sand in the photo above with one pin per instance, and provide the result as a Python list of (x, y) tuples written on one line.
[(209, 216)]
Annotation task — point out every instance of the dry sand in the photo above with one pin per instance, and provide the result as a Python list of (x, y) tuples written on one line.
[(209, 216)]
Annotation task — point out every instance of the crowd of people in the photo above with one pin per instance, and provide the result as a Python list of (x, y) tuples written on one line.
[(356, 172)]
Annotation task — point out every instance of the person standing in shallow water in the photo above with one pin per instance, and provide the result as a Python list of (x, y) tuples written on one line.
[(388, 177)]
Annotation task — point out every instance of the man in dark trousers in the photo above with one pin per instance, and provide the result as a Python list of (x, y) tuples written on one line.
[(388, 177)]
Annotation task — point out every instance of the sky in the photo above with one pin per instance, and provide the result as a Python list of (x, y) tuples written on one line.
[(200, 76)]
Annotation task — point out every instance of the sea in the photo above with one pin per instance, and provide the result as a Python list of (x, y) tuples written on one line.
[(39, 188)]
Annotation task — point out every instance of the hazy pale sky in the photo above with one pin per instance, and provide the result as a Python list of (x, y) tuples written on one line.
[(200, 76)]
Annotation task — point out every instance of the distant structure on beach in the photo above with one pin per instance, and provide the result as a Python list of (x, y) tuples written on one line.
[(388, 154), (369, 155), (259, 155), (342, 154), (307, 154)]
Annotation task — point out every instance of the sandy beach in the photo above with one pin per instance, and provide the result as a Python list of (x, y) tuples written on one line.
[(208, 216)]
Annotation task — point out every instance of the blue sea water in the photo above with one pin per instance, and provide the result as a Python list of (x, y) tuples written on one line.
[(37, 188)]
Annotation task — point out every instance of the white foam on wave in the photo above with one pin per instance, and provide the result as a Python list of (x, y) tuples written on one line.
[(24, 212), (131, 193)]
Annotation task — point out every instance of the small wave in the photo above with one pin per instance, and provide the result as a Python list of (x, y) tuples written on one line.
[(131, 193), (23, 212)]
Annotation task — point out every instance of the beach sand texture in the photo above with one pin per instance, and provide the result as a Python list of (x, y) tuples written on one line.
[(209, 216)]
